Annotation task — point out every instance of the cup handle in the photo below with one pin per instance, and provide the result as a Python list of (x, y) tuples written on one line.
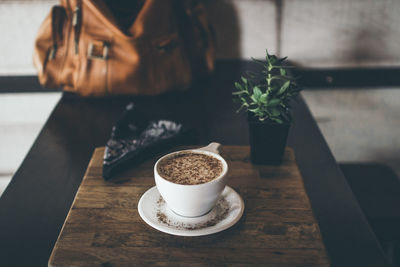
[(212, 147)]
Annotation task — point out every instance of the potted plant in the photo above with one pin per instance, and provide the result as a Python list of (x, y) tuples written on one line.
[(266, 96)]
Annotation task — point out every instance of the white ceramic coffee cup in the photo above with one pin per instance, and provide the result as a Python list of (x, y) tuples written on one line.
[(192, 200)]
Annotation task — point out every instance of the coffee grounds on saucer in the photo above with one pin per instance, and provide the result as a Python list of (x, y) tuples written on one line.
[(222, 209)]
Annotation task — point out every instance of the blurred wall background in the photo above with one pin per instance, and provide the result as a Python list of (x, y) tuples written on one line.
[(312, 33), (359, 125)]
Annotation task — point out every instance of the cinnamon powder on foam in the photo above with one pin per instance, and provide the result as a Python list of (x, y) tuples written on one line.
[(189, 168)]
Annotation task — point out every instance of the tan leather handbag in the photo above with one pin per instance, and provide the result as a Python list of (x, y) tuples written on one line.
[(81, 47)]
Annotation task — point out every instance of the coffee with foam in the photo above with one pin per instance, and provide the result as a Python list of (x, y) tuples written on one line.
[(190, 168)]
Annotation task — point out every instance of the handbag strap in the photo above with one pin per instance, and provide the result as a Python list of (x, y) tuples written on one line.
[(58, 16), (77, 24)]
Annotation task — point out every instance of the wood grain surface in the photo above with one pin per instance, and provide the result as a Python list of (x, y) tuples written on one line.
[(278, 228)]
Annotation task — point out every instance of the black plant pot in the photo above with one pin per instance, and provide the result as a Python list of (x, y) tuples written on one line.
[(267, 141)]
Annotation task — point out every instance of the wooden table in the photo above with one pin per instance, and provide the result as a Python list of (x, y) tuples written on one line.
[(277, 228), (35, 204)]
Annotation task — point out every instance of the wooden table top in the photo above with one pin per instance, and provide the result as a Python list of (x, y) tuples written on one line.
[(34, 206), (103, 226)]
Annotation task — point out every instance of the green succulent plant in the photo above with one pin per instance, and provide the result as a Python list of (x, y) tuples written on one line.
[(267, 93)]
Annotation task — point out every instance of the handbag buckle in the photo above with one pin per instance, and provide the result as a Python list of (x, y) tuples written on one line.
[(98, 50)]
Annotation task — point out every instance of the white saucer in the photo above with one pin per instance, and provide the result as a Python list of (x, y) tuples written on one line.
[(154, 211)]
